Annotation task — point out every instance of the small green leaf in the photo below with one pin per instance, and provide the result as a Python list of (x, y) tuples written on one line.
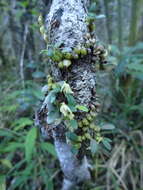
[(44, 51), (52, 95), (30, 143), (50, 52), (27, 171), (4, 133), (107, 139), (31, 65), (21, 123), (49, 148), (71, 100), (47, 179), (53, 116), (107, 126), (93, 146), (2, 182), (74, 150), (66, 49), (72, 108), (82, 108), (38, 94), (72, 136), (6, 163), (12, 146), (106, 144), (91, 16), (73, 123), (38, 74), (100, 16), (58, 55), (92, 7), (19, 180)]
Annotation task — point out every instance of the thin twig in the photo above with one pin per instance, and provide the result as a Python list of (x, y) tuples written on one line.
[(22, 55)]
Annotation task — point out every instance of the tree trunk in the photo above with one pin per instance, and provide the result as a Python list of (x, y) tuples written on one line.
[(66, 25), (136, 4), (108, 21)]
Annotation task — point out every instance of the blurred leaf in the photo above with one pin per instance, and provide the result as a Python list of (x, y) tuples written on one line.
[(72, 136), (93, 146), (9, 108), (12, 146), (82, 108), (49, 147), (107, 126), (106, 143), (71, 99), (21, 123), (100, 16), (73, 123), (66, 49), (136, 74), (6, 163), (31, 65), (48, 182), (2, 182), (38, 74), (24, 3), (50, 52), (74, 150), (30, 143), (52, 96), (71, 102), (50, 185), (91, 15), (27, 171), (5, 133), (135, 66), (92, 7), (52, 116), (19, 180), (44, 51), (38, 94)]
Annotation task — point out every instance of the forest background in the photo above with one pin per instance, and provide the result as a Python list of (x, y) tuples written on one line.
[(119, 26)]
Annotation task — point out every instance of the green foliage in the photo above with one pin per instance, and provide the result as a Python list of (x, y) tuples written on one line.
[(73, 123), (49, 148), (21, 123), (82, 108), (14, 147), (72, 136), (93, 146), (2, 182), (30, 143), (130, 60)]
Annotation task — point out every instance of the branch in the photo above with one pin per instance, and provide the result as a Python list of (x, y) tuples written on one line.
[(74, 170), (22, 55)]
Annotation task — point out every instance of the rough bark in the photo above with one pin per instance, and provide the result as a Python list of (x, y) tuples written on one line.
[(66, 25)]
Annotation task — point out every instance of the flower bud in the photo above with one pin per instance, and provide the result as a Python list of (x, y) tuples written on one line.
[(66, 63), (42, 30)]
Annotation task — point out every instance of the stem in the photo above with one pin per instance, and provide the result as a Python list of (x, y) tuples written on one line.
[(120, 25), (22, 56), (108, 21), (74, 170)]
